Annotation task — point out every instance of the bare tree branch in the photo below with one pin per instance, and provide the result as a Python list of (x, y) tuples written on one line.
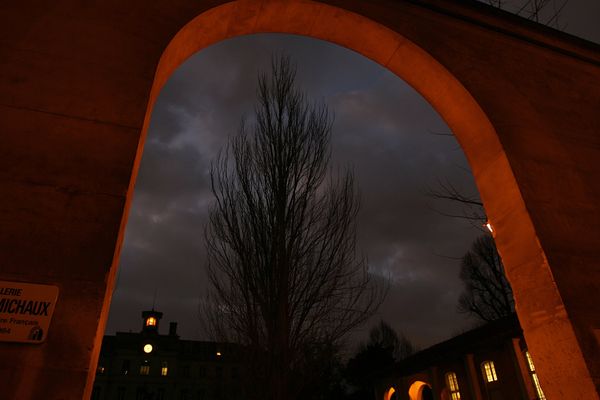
[(487, 294), (534, 10)]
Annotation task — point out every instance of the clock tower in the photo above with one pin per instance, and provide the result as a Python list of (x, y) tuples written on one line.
[(151, 320)]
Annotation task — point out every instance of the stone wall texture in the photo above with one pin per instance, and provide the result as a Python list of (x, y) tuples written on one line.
[(77, 84)]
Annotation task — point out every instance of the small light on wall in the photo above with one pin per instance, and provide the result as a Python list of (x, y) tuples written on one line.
[(218, 354), (489, 227)]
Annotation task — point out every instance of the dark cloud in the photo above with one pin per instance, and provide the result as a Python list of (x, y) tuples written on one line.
[(382, 130)]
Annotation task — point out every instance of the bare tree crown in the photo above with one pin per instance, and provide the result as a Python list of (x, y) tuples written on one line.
[(283, 266), (487, 294)]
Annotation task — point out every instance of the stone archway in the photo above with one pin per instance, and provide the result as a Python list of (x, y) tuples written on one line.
[(420, 390), (390, 394), (78, 88)]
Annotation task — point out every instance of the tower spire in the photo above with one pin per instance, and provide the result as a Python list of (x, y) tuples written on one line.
[(154, 299)]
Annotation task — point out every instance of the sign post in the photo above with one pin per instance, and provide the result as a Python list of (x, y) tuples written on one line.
[(25, 311)]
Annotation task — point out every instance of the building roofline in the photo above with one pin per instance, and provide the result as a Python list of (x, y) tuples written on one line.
[(507, 327)]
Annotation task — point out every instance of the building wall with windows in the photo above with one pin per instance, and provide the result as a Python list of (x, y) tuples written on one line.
[(487, 363), (149, 366)]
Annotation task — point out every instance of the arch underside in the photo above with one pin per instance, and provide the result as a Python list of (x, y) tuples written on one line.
[(516, 236), (415, 390)]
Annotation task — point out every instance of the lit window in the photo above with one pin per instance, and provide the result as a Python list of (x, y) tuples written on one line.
[(529, 362), (145, 368), (452, 384), (151, 321), (489, 372), (164, 370), (534, 377)]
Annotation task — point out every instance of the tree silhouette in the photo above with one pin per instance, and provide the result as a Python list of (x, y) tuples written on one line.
[(284, 273), (487, 294), (384, 336), (546, 12), (384, 347)]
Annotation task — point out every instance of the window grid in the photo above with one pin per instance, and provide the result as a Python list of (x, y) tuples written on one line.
[(489, 371), (452, 383), (144, 369), (534, 377)]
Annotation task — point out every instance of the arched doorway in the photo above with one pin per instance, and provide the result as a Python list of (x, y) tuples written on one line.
[(390, 394), (469, 122), (427, 393), (420, 390)]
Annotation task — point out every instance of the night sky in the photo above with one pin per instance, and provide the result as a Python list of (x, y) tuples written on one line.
[(383, 129)]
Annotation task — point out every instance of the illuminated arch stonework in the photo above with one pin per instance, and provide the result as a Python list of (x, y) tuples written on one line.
[(389, 393), (415, 392), (78, 84)]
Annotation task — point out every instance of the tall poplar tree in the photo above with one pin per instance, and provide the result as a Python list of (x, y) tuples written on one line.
[(286, 280)]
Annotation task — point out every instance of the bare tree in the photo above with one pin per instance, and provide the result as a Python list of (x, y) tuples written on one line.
[(284, 273), (487, 294), (471, 207), (545, 12), (383, 335), (383, 348)]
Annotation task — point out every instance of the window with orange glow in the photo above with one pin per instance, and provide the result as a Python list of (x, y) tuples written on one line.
[(164, 370), (452, 384), (534, 377), (144, 369), (489, 371), (151, 321)]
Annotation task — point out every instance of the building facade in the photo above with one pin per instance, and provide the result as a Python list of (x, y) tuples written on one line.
[(149, 366), (488, 363)]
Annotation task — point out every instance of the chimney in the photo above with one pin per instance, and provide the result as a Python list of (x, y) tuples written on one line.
[(173, 329)]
